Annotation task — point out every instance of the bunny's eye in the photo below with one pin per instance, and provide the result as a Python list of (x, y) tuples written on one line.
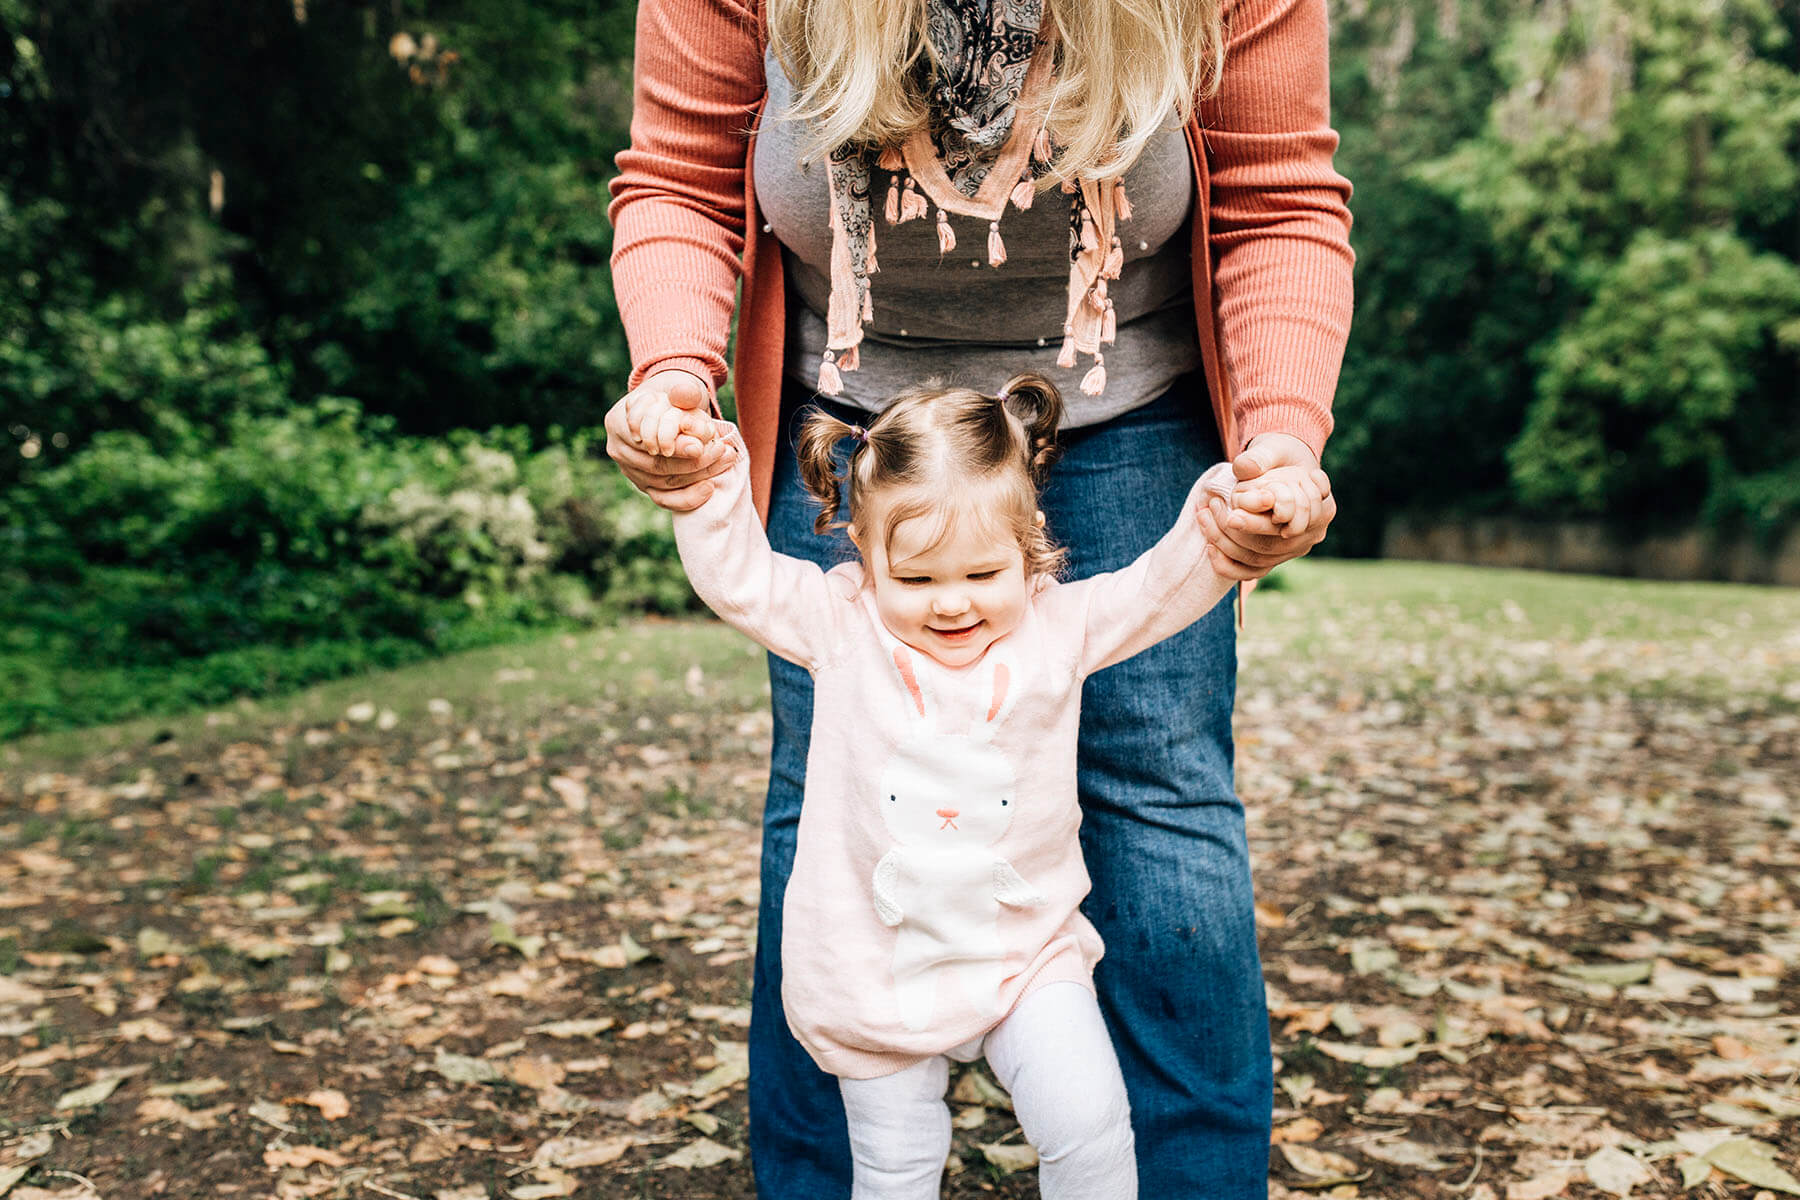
[(891, 799), (1004, 803)]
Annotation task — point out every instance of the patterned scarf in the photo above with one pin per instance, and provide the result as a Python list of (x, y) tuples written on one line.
[(988, 53)]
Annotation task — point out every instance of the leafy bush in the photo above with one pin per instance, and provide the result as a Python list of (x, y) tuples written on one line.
[(299, 546)]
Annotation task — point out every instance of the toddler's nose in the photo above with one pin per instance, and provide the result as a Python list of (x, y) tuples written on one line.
[(949, 814)]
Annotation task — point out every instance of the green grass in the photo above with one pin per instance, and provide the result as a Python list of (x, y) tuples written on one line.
[(646, 662), (1406, 631), (1411, 629)]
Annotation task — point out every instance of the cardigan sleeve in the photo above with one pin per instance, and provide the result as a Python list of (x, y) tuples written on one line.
[(678, 200), (1280, 219)]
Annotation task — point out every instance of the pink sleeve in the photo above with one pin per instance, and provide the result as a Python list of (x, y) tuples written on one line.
[(1280, 221), (786, 605), (678, 200), (1169, 587)]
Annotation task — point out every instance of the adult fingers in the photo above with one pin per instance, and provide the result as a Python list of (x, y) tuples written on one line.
[(1245, 557), (647, 471), (1238, 523), (682, 499)]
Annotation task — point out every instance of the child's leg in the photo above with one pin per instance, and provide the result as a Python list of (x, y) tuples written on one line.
[(899, 1132), (1053, 1054)]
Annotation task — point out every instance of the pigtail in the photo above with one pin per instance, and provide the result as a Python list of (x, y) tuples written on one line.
[(816, 454), (1037, 404)]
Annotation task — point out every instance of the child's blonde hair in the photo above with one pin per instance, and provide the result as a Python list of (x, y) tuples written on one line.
[(931, 444)]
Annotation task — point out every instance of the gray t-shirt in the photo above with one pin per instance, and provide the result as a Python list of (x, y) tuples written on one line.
[(955, 318)]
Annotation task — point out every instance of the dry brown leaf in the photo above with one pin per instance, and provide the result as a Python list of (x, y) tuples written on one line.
[(303, 1156), (332, 1104), (1306, 1129), (1553, 1183)]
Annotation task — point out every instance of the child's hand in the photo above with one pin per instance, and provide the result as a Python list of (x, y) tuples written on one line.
[(659, 426), (1280, 503), (1279, 510), (666, 442)]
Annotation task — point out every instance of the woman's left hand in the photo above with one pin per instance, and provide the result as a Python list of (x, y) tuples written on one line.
[(1281, 510)]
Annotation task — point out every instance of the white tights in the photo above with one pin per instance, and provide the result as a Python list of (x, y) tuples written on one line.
[(1053, 1054)]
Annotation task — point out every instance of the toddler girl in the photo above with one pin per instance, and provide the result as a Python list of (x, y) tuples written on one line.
[(933, 911)]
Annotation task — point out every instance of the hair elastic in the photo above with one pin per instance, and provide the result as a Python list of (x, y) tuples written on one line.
[(860, 434)]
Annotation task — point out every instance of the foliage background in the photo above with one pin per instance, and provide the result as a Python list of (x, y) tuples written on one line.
[(305, 320)]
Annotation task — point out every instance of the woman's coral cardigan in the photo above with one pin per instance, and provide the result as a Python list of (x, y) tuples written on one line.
[(1271, 223)]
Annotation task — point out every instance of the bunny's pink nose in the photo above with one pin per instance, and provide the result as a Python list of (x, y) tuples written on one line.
[(949, 814)]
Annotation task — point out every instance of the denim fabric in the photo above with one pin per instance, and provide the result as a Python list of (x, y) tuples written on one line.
[(1162, 830)]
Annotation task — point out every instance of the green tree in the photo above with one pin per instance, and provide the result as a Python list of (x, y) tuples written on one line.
[(1645, 161)]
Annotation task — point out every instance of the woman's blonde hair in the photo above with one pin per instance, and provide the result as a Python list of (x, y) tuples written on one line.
[(1122, 67), (947, 453)]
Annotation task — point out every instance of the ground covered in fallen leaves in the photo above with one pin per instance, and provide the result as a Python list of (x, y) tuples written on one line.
[(1527, 856)]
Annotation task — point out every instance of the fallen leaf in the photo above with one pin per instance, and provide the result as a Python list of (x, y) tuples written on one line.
[(1754, 1163), (189, 1087), (976, 1088), (1007, 1157), (1306, 1129), (332, 1104), (703, 1153), (574, 1153), (89, 1096), (1378, 1057), (459, 1068), (574, 1029), (551, 1183), (1405, 1154), (303, 1156), (1542, 1187), (1613, 1170), (1322, 1167), (536, 1072)]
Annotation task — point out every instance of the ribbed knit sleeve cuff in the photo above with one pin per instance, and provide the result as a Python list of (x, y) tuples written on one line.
[(699, 368), (1300, 418)]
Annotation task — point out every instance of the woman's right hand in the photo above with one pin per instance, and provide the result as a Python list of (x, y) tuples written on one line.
[(665, 440)]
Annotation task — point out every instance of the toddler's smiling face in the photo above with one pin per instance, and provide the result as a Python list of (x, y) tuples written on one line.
[(949, 585)]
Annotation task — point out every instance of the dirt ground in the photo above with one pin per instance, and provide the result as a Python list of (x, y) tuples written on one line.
[(1517, 944)]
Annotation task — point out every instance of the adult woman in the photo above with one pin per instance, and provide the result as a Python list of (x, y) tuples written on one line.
[(929, 100)]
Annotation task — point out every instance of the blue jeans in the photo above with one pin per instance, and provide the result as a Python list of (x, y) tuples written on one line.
[(1162, 830)]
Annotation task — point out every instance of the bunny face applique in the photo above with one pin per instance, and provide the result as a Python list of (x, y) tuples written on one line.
[(946, 797)]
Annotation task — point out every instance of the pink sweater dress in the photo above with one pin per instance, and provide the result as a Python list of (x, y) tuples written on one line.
[(908, 933)]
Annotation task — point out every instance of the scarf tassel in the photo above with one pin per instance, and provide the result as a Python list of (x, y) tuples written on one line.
[(892, 160), (1109, 325), (946, 236), (830, 382), (912, 204), (892, 209), (1094, 382), (996, 248), (1066, 357), (1115, 261), (1121, 205), (1023, 193)]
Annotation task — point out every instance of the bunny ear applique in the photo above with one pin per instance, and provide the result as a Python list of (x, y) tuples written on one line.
[(999, 692), (909, 679)]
